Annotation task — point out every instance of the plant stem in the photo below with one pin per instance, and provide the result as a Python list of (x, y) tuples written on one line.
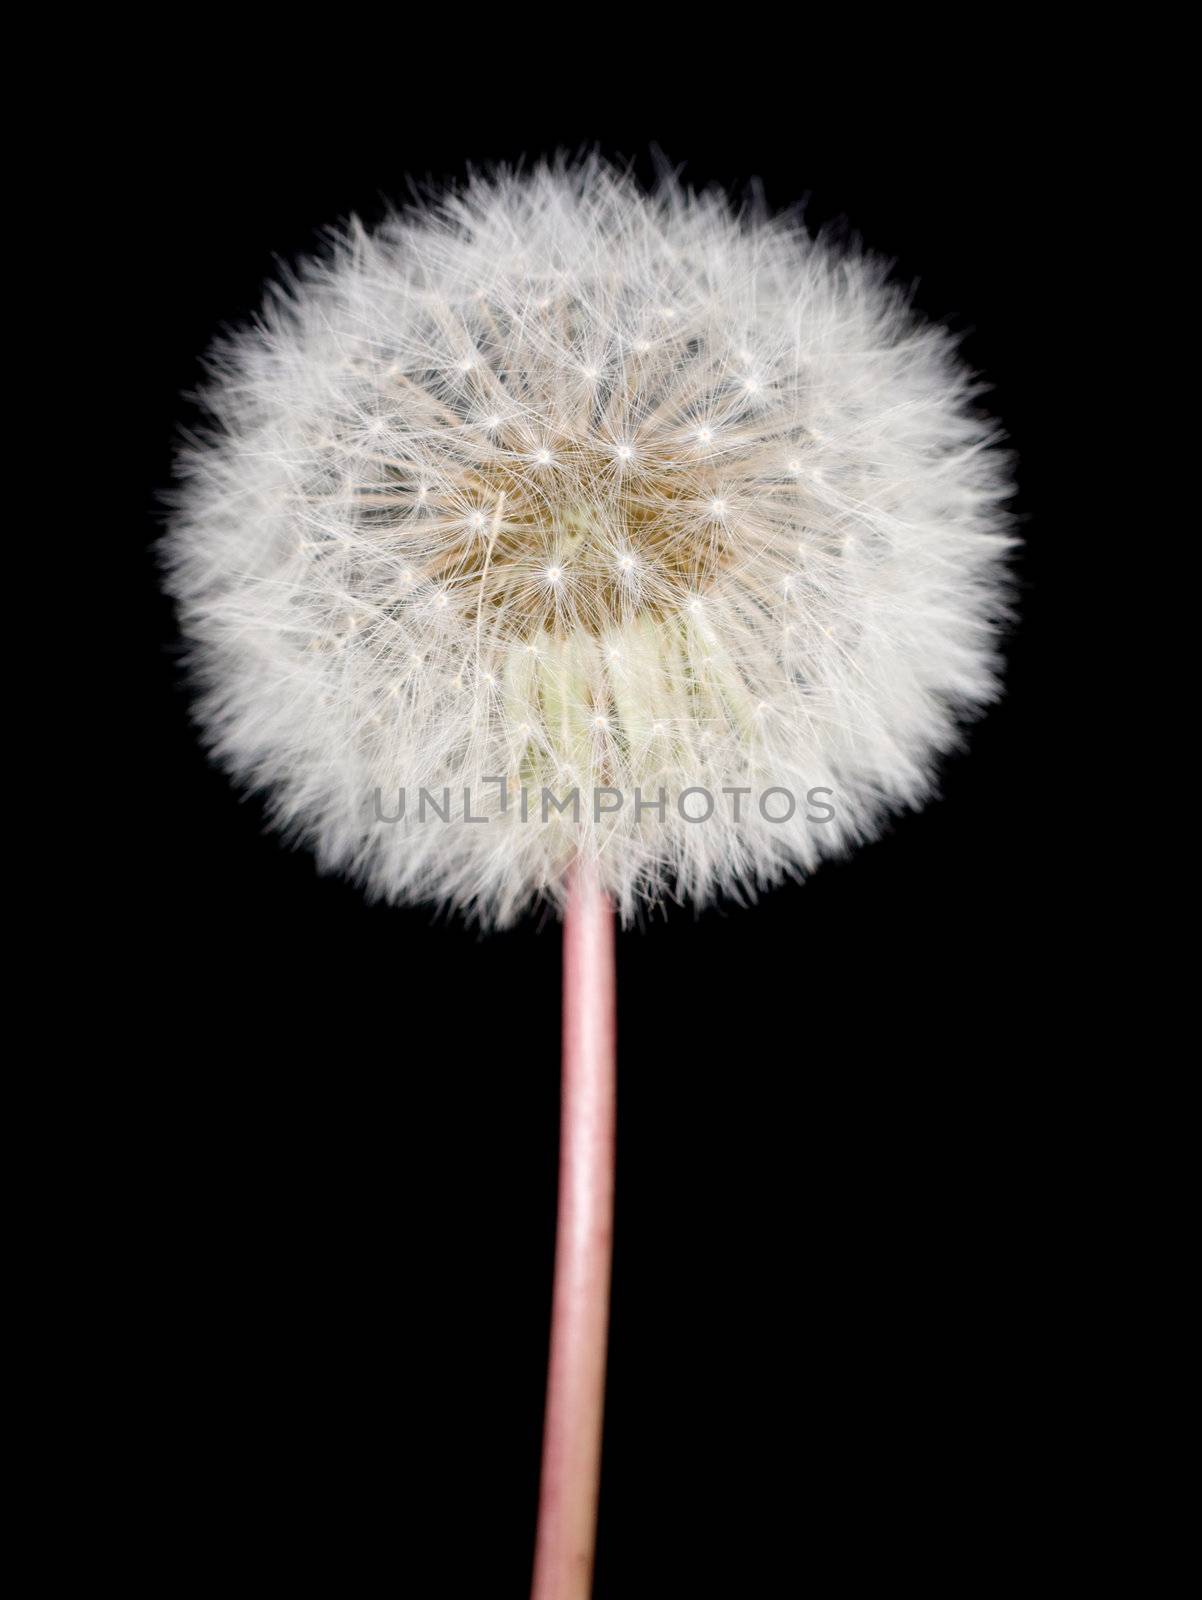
[(567, 1511)]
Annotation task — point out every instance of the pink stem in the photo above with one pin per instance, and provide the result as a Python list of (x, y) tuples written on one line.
[(567, 1511)]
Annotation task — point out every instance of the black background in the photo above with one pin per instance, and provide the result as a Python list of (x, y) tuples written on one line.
[(841, 1232)]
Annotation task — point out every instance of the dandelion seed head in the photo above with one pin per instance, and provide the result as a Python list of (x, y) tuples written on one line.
[(496, 476)]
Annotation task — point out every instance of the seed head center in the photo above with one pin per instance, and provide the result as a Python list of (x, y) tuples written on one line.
[(580, 540)]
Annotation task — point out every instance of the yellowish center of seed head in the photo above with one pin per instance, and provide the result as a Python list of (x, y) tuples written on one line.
[(573, 537)]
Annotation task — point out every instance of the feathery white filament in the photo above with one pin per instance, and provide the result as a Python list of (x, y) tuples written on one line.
[(559, 486)]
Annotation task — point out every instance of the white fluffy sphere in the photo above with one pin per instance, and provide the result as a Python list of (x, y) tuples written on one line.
[(556, 488)]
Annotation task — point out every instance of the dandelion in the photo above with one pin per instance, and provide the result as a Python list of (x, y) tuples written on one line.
[(553, 486)]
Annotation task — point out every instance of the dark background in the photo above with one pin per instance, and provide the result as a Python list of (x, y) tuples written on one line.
[(842, 1235)]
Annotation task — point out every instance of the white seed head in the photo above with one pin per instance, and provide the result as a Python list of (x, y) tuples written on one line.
[(694, 498)]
